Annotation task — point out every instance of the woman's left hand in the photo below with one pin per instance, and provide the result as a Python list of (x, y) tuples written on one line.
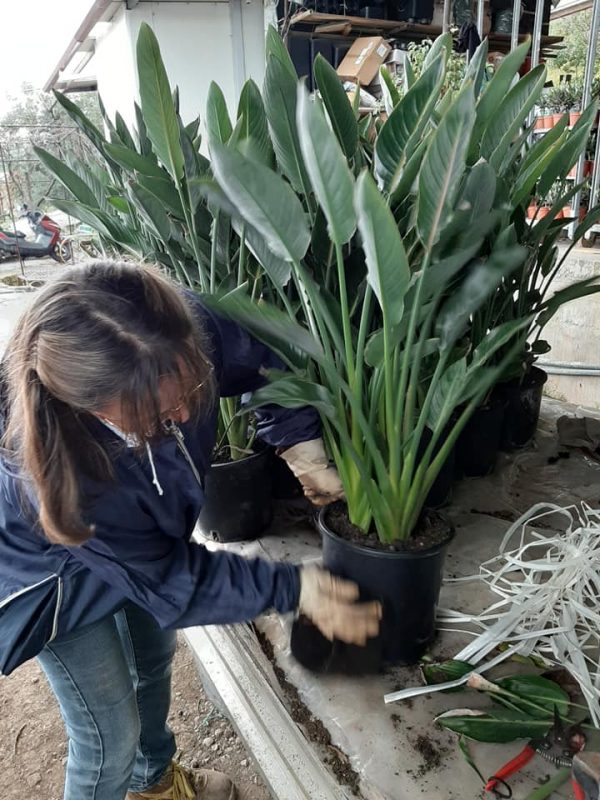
[(320, 480)]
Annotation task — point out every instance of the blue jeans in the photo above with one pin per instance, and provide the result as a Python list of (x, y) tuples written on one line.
[(112, 681)]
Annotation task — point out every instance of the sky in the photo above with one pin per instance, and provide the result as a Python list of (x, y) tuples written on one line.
[(35, 35)]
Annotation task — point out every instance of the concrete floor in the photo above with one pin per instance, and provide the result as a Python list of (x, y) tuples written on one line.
[(14, 300)]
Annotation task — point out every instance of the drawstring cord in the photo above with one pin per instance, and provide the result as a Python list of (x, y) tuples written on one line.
[(155, 480)]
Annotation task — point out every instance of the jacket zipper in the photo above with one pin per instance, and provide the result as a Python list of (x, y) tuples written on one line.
[(59, 597), (26, 589), (172, 428)]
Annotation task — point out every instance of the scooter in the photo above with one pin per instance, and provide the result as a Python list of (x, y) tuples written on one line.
[(47, 242)]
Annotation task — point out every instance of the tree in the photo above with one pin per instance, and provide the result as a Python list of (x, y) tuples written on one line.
[(35, 118), (576, 32)]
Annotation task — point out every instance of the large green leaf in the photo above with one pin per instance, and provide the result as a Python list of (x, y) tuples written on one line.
[(479, 190), (440, 50), (275, 328), (69, 179), (280, 92), (265, 200), (440, 274), (448, 393), (327, 168), (164, 190), (495, 340), (476, 70), (275, 48), (390, 93), (338, 106), (218, 123), (123, 131), (499, 726), (96, 177), (145, 145), (484, 276), (446, 671), (131, 160), (157, 104), (388, 272), (529, 691), (543, 143), (404, 125), (278, 270), (510, 115), (494, 93), (290, 391), (443, 168), (407, 183), (523, 186), (151, 208), (566, 156), (252, 132), (106, 224), (82, 121)]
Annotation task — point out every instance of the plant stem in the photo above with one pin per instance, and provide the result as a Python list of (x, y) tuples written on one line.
[(346, 326), (213, 252), (406, 358), (191, 223), (241, 276), (546, 789)]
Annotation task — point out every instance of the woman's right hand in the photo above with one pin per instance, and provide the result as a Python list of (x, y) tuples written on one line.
[(330, 604)]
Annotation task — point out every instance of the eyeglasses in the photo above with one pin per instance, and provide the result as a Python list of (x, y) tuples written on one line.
[(185, 399), (168, 413)]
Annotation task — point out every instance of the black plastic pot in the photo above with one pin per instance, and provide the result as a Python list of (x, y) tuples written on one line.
[(238, 504), (479, 443), (286, 485), (523, 401), (407, 584)]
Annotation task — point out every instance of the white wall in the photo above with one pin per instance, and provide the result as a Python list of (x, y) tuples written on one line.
[(200, 43), (114, 67)]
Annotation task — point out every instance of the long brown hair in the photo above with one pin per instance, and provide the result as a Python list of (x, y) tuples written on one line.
[(103, 331)]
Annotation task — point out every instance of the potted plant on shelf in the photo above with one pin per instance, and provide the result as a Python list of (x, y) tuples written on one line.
[(543, 119), (540, 174), (394, 375)]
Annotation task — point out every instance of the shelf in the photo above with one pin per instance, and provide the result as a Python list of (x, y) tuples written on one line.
[(346, 26)]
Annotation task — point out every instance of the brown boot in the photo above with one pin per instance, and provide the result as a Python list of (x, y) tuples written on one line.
[(182, 784)]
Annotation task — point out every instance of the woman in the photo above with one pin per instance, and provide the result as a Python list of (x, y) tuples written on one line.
[(109, 405)]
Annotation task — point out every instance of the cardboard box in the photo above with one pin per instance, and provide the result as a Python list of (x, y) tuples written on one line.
[(363, 60)]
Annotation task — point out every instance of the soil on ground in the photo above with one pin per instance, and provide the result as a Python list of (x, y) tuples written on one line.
[(33, 748), (314, 730)]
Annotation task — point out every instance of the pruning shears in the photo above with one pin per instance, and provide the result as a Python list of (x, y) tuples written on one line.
[(560, 745)]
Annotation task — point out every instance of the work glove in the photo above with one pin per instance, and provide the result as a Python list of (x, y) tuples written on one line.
[(309, 463), (330, 604)]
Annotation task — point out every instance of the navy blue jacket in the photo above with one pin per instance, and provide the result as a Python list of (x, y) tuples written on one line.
[(141, 550)]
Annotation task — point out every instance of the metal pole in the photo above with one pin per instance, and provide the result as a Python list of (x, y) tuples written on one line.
[(10, 208), (516, 19), (537, 33), (446, 19), (480, 9), (585, 101)]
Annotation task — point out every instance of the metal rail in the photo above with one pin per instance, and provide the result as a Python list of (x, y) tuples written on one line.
[(586, 98)]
